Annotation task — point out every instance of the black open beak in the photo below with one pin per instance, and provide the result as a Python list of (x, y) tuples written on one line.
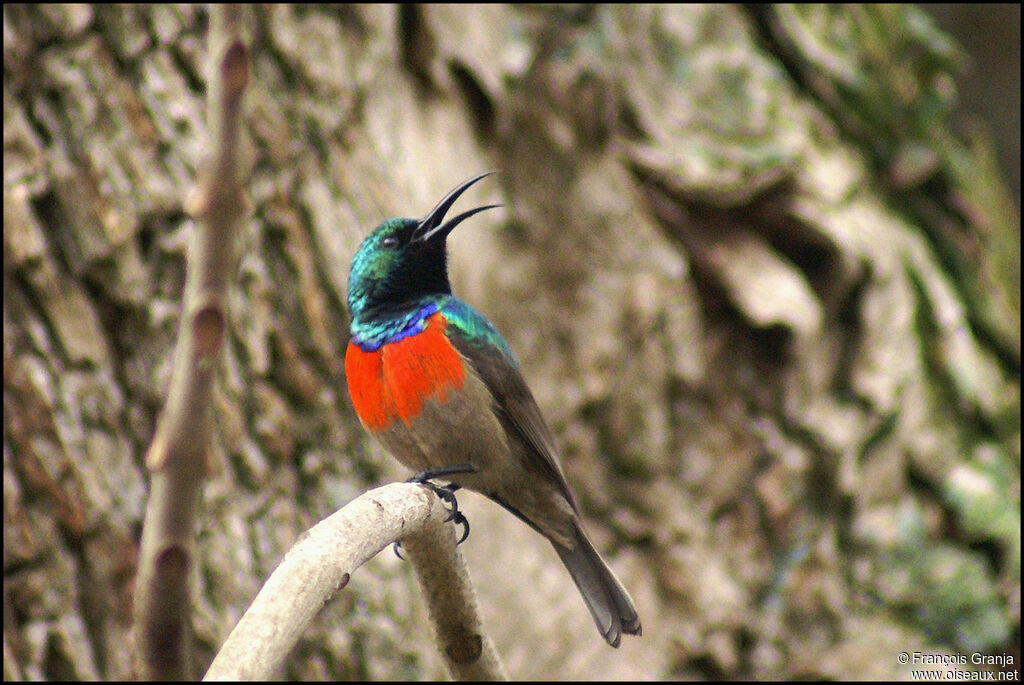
[(431, 226)]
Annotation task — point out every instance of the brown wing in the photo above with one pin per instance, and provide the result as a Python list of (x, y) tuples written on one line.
[(515, 408)]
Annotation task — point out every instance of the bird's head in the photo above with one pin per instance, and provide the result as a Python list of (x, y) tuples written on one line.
[(403, 260)]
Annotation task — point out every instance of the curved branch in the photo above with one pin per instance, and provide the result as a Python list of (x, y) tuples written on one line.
[(322, 562), (177, 456)]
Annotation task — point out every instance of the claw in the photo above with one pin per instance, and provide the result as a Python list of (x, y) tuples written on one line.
[(446, 493), (461, 520)]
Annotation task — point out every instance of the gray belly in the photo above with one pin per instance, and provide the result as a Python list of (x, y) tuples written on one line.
[(461, 431), (464, 431)]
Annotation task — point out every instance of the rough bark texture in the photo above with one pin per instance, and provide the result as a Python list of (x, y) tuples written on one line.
[(767, 299)]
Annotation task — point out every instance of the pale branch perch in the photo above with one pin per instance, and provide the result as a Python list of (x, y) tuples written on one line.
[(451, 601), (176, 458), (323, 561)]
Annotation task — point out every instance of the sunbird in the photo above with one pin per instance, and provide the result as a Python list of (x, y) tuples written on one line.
[(434, 381)]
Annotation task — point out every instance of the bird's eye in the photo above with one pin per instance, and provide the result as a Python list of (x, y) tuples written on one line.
[(389, 243)]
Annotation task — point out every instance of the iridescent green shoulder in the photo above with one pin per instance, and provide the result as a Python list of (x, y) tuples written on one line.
[(472, 326)]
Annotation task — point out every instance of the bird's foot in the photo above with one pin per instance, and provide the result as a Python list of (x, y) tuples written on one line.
[(441, 472), (446, 493)]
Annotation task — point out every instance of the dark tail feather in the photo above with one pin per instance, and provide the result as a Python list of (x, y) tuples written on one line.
[(608, 601)]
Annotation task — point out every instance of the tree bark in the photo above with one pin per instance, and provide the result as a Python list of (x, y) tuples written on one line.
[(766, 297)]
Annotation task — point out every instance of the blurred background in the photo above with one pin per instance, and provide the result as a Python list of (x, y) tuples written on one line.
[(990, 84), (760, 267)]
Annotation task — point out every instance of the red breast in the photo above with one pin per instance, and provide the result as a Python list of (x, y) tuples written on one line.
[(393, 382)]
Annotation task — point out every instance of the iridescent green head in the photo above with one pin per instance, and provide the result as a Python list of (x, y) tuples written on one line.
[(403, 260)]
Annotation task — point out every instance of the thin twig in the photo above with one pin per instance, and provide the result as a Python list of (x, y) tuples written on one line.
[(177, 456)]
